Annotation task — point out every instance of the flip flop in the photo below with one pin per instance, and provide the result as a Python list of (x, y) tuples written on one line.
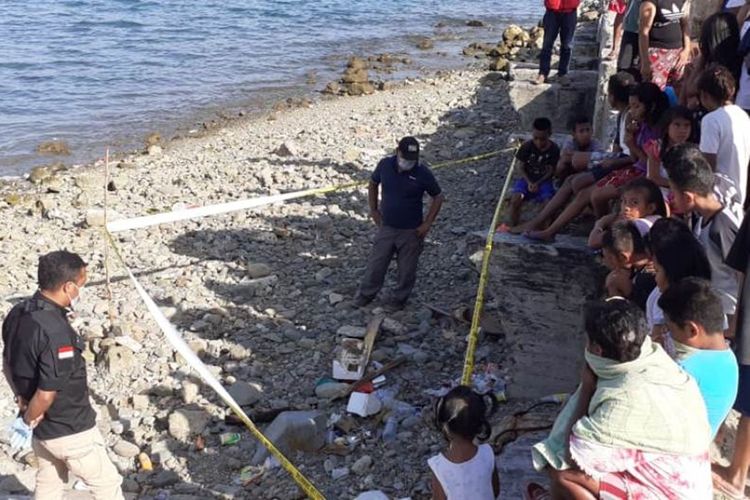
[(502, 228), (535, 491), (725, 488)]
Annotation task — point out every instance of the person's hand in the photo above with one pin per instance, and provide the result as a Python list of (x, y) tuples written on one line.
[(683, 59), (20, 435), (533, 187), (631, 128), (567, 155), (646, 71), (588, 378), (423, 229), (22, 404), (651, 148), (377, 218)]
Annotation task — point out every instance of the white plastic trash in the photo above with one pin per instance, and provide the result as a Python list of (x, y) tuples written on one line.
[(363, 404)]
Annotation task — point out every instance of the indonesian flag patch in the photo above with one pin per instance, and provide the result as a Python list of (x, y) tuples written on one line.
[(65, 352)]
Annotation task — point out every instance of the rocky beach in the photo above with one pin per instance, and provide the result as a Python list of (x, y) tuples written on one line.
[(260, 295)]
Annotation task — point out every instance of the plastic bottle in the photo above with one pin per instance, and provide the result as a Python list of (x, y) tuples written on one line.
[(391, 429)]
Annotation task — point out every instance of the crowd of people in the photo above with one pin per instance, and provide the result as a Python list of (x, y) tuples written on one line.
[(668, 346)]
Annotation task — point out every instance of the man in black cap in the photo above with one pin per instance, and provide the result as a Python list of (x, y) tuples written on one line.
[(44, 366), (402, 228)]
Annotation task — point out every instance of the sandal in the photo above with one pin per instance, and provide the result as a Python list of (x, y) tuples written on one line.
[(725, 488), (535, 491)]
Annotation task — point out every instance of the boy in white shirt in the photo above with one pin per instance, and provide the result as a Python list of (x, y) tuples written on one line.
[(725, 130)]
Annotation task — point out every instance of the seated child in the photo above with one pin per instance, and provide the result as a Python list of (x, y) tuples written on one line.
[(538, 158), (715, 221), (696, 320), (464, 470), (581, 141), (578, 186), (641, 202), (624, 253), (678, 127), (676, 255), (637, 425)]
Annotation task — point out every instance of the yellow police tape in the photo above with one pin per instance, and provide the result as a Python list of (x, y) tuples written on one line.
[(476, 318), (178, 343)]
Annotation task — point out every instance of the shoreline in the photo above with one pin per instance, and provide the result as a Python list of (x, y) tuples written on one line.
[(449, 40)]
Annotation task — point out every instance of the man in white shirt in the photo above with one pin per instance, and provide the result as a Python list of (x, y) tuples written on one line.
[(725, 130)]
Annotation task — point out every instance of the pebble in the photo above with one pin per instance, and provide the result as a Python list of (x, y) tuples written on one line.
[(126, 449), (245, 393), (362, 465)]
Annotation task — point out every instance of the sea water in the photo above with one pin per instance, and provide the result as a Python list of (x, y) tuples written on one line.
[(104, 73)]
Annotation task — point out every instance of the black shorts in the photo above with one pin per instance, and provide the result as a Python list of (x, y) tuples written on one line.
[(742, 403), (629, 58)]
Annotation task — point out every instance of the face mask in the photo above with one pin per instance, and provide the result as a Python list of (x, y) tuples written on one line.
[(405, 165), (74, 303)]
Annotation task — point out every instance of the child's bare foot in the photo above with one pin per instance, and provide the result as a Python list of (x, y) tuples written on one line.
[(540, 79), (611, 56), (724, 484), (522, 228), (540, 235)]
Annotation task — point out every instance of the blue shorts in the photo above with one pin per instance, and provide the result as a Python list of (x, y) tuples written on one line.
[(742, 403), (545, 192)]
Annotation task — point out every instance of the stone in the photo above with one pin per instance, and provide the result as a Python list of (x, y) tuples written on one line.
[(335, 298), (355, 89), (154, 150), (44, 172), (352, 155), (246, 393), (390, 325), (355, 76), (152, 139), (323, 274), (164, 478), (331, 390), (425, 43), (258, 270), (126, 449), (356, 63), (184, 423), (512, 33), (499, 64), (475, 23), (140, 401), (590, 16), (362, 465), (286, 149), (117, 427), (357, 332), (332, 88), (294, 431), (53, 148), (118, 359), (339, 473)]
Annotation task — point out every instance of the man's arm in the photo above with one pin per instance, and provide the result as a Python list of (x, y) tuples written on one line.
[(372, 196), (432, 213), (648, 12), (38, 406)]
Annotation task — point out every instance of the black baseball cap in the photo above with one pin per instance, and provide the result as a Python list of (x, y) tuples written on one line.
[(409, 148)]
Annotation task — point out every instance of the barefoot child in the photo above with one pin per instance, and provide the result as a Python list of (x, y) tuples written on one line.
[(641, 202), (464, 470), (624, 253), (538, 158), (581, 141), (695, 318)]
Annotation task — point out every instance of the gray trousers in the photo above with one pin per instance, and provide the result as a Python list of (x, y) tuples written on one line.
[(407, 246)]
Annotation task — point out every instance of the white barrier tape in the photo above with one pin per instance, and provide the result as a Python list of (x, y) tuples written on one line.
[(209, 210)]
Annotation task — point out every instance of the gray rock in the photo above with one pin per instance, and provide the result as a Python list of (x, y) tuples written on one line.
[(339, 473), (118, 359), (362, 465), (357, 332), (331, 390), (164, 478), (246, 393), (190, 392), (287, 149), (126, 449), (154, 150), (95, 217), (323, 274), (185, 423), (294, 430), (258, 270)]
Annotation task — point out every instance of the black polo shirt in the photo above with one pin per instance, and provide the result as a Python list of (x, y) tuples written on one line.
[(402, 192), (44, 352)]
